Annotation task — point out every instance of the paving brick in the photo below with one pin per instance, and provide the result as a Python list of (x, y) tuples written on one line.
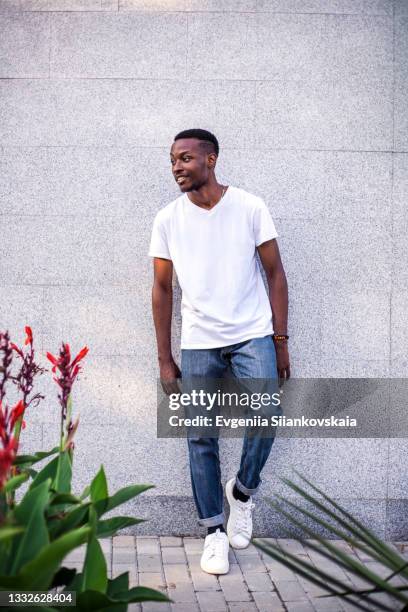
[(251, 563), (128, 541), (328, 604), (76, 555), (153, 580), (173, 555), (203, 581), (185, 607), (212, 602), (234, 589), (118, 569), (244, 606), (147, 546), (155, 606), (278, 571), (292, 546), (193, 562), (124, 555), (106, 545), (176, 573), (181, 591), (258, 581), (171, 541), (149, 563), (299, 606), (193, 544), (290, 590), (244, 552), (235, 573), (268, 602)]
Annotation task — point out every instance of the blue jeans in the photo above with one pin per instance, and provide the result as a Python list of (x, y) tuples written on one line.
[(255, 358)]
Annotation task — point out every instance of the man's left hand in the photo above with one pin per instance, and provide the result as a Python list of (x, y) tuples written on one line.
[(282, 361)]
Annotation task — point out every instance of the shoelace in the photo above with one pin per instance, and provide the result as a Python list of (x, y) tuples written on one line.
[(216, 545), (243, 516)]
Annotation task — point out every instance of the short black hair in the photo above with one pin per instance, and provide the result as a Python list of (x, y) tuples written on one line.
[(208, 140)]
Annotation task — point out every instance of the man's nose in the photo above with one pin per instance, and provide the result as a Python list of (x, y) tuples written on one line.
[(177, 166)]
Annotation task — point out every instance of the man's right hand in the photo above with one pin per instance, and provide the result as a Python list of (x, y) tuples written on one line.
[(169, 373)]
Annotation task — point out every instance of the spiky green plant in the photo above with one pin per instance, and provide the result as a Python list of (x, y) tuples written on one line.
[(322, 512)]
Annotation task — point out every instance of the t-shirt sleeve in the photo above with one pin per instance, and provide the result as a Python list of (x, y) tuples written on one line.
[(264, 227), (158, 242)]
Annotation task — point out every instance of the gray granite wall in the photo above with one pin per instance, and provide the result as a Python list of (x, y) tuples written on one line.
[(309, 101)]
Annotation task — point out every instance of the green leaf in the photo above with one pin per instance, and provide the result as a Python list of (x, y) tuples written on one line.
[(120, 497), (77, 516), (62, 482), (65, 498), (344, 560), (26, 460), (48, 471), (108, 528), (15, 482), (93, 600), (30, 512), (366, 534), (37, 575), (141, 593), (85, 492), (99, 487), (7, 533), (306, 570), (118, 584), (95, 571)]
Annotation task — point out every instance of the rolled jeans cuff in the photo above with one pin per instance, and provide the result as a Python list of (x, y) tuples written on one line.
[(244, 489), (212, 521)]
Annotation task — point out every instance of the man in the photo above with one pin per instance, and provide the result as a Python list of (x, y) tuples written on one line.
[(211, 234)]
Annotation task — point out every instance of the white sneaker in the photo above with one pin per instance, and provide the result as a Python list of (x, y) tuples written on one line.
[(214, 559), (239, 526)]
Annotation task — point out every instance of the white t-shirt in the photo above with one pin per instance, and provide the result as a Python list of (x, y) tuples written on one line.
[(213, 252)]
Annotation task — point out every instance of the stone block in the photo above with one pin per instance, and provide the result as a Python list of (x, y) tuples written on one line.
[(290, 590), (170, 541), (212, 602), (59, 253), (173, 555), (124, 112), (354, 91), (268, 602), (211, 55), (24, 180), (400, 192), (364, 7), (69, 5), (82, 45), (24, 45), (401, 82), (399, 334), (365, 315)]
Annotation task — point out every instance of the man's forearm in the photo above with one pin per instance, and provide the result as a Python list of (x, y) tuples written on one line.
[(278, 297), (162, 305)]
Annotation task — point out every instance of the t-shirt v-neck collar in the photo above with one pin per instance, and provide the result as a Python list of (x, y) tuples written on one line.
[(205, 211)]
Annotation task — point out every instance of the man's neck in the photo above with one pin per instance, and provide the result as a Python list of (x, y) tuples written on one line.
[(207, 196)]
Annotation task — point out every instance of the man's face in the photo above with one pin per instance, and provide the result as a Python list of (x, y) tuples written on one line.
[(190, 164)]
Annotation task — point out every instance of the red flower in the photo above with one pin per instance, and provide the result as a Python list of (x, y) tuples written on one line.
[(7, 456), (80, 355), (29, 338), (16, 413), (18, 350)]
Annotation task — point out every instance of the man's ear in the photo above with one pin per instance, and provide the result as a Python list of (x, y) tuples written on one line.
[(212, 160)]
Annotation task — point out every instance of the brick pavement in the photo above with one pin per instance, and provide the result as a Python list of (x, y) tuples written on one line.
[(255, 582)]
